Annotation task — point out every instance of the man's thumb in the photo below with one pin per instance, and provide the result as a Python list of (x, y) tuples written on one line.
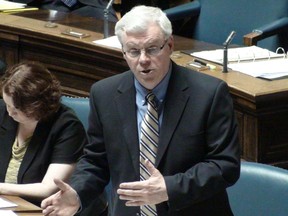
[(61, 184)]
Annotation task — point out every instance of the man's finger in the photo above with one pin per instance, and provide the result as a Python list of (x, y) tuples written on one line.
[(152, 170), (47, 210), (45, 203), (61, 185)]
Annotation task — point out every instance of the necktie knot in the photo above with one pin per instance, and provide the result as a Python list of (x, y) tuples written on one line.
[(152, 100)]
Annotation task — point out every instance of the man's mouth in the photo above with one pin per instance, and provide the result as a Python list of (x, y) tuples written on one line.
[(146, 71)]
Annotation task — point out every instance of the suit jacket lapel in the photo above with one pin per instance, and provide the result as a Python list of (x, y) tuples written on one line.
[(35, 143), (7, 136), (128, 116), (8, 133), (175, 103), (39, 138)]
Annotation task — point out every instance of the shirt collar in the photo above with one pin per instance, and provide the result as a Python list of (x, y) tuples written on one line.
[(159, 91)]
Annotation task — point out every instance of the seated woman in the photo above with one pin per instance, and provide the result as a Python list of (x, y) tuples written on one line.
[(41, 139)]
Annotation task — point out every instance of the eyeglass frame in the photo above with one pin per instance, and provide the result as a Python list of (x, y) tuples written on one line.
[(145, 50)]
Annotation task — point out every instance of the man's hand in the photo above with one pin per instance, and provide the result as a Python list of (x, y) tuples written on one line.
[(150, 191), (63, 203)]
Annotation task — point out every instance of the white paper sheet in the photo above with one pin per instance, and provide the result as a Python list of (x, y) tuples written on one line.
[(6, 5), (240, 54), (7, 213), (109, 42), (6, 203), (254, 61), (268, 69)]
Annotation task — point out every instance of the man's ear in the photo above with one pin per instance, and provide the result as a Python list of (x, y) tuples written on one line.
[(171, 43), (124, 56)]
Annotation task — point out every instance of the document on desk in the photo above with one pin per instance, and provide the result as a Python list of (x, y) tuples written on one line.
[(7, 213), (4, 203), (109, 42), (268, 69), (7, 5), (239, 54), (254, 61)]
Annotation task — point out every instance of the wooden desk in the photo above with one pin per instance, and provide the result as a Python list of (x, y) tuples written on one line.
[(24, 208), (69, 58), (261, 106)]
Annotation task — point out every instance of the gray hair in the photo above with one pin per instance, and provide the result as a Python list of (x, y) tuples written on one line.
[(138, 19)]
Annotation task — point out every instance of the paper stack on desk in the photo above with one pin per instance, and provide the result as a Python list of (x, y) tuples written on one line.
[(6, 5), (254, 61), (269, 69), (112, 42)]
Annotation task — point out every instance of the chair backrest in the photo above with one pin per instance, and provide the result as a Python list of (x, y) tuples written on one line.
[(219, 17), (261, 190), (215, 19), (80, 106)]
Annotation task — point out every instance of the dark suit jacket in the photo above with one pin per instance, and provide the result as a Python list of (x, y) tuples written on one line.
[(198, 153), (57, 140)]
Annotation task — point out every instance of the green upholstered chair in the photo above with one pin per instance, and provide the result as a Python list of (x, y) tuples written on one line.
[(80, 105), (261, 190), (258, 22)]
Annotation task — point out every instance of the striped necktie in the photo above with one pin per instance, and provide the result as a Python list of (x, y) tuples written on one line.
[(69, 3), (148, 145)]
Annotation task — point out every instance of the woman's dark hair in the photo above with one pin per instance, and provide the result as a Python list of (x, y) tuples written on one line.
[(33, 89)]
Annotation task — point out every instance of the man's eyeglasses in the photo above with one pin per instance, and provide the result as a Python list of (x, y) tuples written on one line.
[(150, 51)]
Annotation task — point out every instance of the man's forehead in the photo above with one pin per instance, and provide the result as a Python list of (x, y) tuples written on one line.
[(136, 41), (144, 38)]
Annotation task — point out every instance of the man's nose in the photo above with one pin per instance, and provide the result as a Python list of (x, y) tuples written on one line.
[(144, 56)]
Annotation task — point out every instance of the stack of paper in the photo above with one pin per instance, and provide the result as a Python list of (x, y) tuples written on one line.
[(6, 5), (240, 54), (272, 69), (109, 42), (254, 61)]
